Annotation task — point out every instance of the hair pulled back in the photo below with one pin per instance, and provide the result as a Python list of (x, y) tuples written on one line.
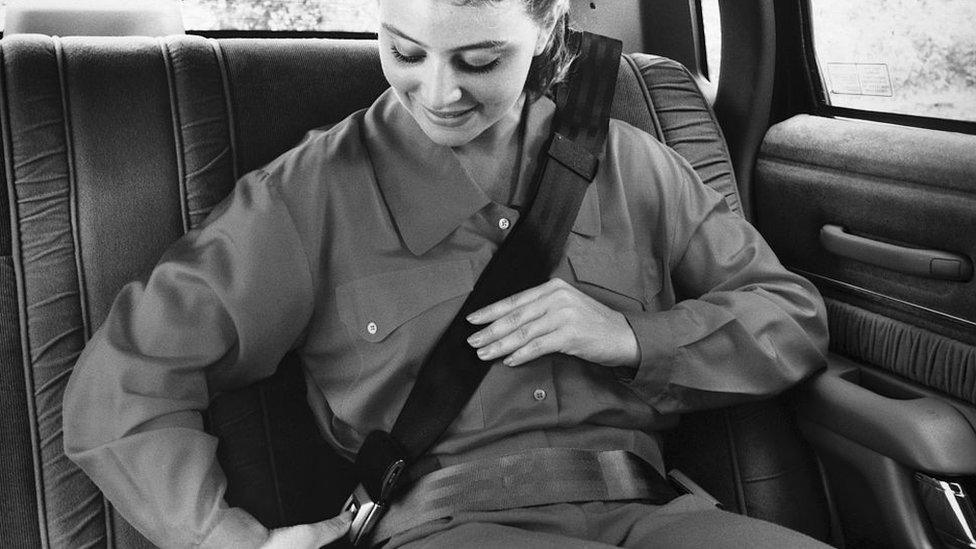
[(552, 65)]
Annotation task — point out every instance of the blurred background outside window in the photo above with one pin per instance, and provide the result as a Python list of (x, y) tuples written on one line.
[(280, 15), (899, 56), (712, 26)]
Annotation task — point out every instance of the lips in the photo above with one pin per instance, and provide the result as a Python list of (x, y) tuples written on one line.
[(448, 118)]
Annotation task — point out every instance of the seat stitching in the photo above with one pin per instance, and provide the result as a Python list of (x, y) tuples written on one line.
[(271, 457), (734, 458), (177, 132), (225, 80), (16, 252)]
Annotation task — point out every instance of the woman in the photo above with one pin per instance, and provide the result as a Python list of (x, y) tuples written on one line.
[(356, 249)]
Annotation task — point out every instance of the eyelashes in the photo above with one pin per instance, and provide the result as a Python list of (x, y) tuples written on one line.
[(474, 69), (408, 59), (479, 69)]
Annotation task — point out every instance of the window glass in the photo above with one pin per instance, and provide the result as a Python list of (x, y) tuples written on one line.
[(914, 57), (274, 15), (712, 24), (280, 15)]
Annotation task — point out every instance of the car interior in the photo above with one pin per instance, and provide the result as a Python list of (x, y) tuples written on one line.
[(121, 131)]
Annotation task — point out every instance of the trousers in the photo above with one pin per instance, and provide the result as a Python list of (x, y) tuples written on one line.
[(686, 522)]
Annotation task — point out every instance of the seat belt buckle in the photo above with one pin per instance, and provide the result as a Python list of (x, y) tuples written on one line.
[(366, 514)]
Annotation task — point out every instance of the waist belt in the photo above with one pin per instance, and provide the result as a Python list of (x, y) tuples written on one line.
[(533, 477)]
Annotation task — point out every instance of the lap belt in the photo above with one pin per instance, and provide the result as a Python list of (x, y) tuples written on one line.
[(534, 477)]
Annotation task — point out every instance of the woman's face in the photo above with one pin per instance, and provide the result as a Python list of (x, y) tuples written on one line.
[(458, 69)]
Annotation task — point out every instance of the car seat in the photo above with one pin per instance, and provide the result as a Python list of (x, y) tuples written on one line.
[(114, 147)]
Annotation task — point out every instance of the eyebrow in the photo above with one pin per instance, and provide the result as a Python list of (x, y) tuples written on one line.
[(483, 45)]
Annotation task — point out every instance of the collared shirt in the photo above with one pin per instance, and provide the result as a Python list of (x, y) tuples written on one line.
[(357, 248)]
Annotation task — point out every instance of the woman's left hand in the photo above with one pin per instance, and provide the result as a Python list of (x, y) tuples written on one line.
[(553, 317)]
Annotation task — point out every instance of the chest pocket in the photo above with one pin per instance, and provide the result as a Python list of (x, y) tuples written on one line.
[(615, 279), (374, 306)]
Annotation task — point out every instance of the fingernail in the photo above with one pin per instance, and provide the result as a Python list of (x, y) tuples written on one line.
[(508, 362), (474, 341), (473, 317), (482, 353)]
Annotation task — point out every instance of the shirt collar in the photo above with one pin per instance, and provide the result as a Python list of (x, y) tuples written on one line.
[(428, 192)]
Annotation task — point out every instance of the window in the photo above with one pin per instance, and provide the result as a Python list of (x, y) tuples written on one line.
[(271, 15), (912, 57), (280, 15), (712, 26)]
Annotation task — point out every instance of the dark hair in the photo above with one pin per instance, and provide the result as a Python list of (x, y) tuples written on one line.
[(552, 65)]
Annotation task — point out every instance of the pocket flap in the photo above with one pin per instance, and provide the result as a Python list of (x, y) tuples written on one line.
[(620, 273), (376, 305)]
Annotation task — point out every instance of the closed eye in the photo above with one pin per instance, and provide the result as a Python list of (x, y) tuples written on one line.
[(461, 64), (410, 59), (478, 69)]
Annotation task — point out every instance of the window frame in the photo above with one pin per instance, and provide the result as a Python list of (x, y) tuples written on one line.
[(701, 44), (256, 34), (821, 97)]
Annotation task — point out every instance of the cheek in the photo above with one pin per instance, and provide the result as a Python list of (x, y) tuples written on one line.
[(503, 86), (400, 79)]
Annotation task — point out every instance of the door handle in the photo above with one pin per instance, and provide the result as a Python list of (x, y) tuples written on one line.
[(922, 262)]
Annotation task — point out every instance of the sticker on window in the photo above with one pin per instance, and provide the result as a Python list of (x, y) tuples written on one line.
[(859, 79)]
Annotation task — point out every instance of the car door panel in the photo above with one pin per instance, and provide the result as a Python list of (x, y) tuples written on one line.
[(899, 396)]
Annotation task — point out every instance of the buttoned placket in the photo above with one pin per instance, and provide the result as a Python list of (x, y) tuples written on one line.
[(540, 390), (499, 220)]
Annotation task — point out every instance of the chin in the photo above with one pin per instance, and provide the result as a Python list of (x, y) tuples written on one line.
[(449, 137)]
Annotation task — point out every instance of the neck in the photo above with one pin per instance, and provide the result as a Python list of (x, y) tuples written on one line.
[(492, 159), (498, 139)]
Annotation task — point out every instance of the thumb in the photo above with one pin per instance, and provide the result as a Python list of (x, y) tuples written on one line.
[(334, 528)]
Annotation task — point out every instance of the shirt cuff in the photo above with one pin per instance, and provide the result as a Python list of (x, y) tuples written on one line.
[(656, 342), (236, 529)]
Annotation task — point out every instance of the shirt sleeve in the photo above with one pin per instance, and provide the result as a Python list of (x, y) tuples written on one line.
[(743, 326), (218, 311)]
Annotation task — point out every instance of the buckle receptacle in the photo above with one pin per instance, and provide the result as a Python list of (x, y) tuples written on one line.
[(367, 512)]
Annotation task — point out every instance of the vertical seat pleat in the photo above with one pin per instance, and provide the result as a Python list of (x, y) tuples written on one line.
[(70, 508), (204, 130)]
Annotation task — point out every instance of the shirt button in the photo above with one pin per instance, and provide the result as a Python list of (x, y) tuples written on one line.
[(539, 394), (371, 328), (503, 224)]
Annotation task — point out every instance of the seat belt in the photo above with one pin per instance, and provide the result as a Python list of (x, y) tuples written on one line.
[(452, 371)]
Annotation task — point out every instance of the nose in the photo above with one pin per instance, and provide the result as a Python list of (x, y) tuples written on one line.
[(441, 87)]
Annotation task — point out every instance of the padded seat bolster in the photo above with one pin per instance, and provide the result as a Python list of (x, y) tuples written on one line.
[(684, 121)]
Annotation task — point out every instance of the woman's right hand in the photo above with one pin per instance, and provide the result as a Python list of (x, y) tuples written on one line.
[(310, 536)]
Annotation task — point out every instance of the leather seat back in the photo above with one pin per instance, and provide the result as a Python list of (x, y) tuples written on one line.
[(114, 147)]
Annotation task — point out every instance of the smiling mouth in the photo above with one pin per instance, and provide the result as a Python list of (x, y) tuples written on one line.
[(447, 117)]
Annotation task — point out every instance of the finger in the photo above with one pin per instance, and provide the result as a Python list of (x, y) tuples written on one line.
[(334, 528), (512, 322), (539, 346), (518, 338), (496, 310)]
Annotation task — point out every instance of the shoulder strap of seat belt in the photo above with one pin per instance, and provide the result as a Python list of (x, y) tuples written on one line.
[(452, 372)]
